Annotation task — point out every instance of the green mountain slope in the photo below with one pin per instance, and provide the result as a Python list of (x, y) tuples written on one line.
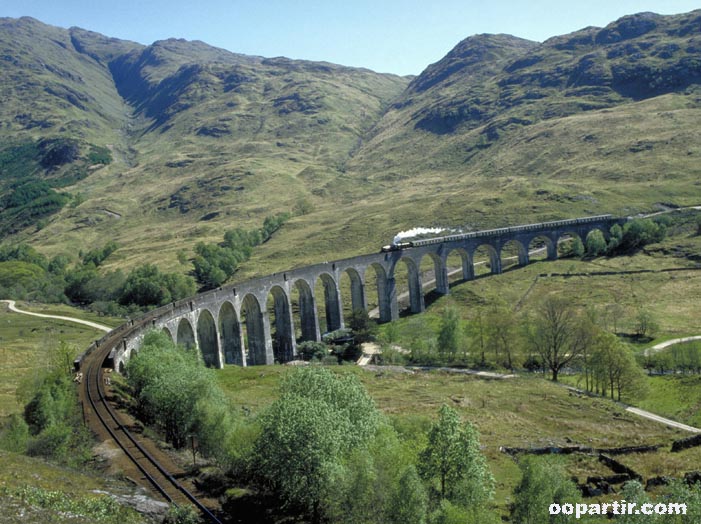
[(500, 131)]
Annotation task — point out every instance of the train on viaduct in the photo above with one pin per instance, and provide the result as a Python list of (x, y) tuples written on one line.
[(235, 325)]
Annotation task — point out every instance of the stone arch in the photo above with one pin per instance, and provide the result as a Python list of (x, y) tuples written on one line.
[(492, 258), (416, 296), (565, 234), (513, 248), (467, 270), (357, 290), (167, 333), (208, 339), (230, 339), (283, 339), (186, 335), (351, 290), (542, 242), (332, 303), (308, 318), (440, 272), (256, 339), (386, 293)]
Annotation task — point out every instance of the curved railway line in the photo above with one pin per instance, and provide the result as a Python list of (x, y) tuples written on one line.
[(151, 465)]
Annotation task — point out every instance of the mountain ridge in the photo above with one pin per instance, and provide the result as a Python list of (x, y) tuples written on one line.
[(196, 131)]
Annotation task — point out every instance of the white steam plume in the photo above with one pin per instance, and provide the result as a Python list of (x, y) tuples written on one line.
[(415, 232)]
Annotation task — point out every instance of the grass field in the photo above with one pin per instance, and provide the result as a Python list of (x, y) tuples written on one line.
[(677, 397), (522, 412), (28, 345)]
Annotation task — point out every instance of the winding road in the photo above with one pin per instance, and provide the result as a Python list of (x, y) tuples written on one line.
[(659, 347), (11, 305)]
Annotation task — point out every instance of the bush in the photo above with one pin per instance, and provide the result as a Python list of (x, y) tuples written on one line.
[(98, 255), (596, 244), (15, 435), (54, 420), (310, 350), (638, 233), (173, 389), (99, 155)]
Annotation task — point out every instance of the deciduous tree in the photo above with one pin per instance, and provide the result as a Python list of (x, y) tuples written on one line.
[(541, 485), (556, 334), (453, 463)]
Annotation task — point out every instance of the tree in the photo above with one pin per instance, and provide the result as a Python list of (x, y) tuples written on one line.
[(477, 331), (541, 485), (307, 433), (615, 368), (636, 234), (683, 493), (311, 350), (573, 248), (409, 502), (147, 286), (500, 335), (171, 386), (214, 264), (97, 256), (556, 334), (645, 324), (615, 238), (634, 492), (449, 333), (596, 243), (362, 327), (452, 459)]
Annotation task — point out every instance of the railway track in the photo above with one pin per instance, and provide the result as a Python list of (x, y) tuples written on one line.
[(147, 460)]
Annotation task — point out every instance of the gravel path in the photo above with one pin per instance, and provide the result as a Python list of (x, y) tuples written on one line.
[(13, 307), (659, 347), (662, 420)]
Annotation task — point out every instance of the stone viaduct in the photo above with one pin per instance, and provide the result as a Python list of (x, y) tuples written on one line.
[(253, 322)]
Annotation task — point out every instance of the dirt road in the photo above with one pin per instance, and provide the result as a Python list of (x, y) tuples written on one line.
[(13, 307)]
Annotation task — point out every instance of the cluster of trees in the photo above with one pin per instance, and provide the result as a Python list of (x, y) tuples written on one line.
[(678, 358), (635, 234), (29, 196), (27, 274), (552, 337), (178, 395), (610, 367), (214, 264), (322, 450)]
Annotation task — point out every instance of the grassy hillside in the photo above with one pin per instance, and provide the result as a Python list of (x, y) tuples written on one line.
[(500, 131)]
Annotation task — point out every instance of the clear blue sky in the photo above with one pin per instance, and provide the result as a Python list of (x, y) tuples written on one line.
[(389, 36)]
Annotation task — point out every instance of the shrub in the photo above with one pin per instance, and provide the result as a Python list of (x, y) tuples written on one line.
[(99, 155), (310, 350), (15, 435), (638, 233), (98, 255)]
